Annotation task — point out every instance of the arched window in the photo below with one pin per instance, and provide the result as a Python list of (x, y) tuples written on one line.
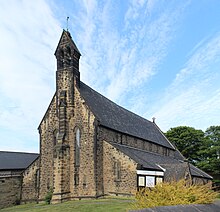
[(77, 147)]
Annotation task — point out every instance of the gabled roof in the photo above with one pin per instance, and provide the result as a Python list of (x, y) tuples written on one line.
[(16, 160), (118, 118)]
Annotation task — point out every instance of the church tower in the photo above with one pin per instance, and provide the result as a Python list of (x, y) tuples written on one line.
[(67, 77), (67, 55)]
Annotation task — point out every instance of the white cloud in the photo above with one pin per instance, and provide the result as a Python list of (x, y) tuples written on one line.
[(124, 56), (29, 34), (121, 48), (193, 98)]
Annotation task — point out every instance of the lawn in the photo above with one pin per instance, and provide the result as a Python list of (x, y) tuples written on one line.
[(108, 204)]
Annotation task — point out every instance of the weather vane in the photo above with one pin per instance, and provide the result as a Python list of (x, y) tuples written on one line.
[(67, 18)]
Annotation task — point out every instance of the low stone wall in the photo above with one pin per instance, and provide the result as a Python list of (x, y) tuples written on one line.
[(10, 190)]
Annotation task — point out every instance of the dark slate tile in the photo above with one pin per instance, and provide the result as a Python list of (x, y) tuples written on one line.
[(118, 118), (16, 160)]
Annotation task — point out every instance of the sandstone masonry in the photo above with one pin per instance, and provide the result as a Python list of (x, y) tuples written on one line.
[(91, 147)]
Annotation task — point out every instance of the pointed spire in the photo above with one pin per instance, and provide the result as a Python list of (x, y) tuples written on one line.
[(66, 39), (68, 55)]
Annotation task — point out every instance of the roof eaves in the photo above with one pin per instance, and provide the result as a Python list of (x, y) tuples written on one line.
[(46, 110)]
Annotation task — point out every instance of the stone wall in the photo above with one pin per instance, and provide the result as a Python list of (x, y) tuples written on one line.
[(117, 137), (30, 182), (84, 120), (125, 181), (10, 190), (47, 130), (201, 181), (57, 163)]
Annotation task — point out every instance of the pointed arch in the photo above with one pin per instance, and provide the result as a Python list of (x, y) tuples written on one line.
[(77, 146)]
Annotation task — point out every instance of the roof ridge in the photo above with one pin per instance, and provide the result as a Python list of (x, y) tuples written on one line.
[(139, 116), (33, 153)]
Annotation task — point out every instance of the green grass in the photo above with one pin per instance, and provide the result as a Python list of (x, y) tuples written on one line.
[(99, 205)]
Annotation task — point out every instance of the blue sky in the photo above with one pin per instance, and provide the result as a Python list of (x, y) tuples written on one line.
[(157, 58)]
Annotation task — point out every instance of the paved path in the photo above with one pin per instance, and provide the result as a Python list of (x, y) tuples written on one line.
[(215, 207)]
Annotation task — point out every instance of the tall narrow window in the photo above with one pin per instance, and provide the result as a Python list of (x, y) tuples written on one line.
[(76, 179), (117, 170), (54, 137), (77, 147)]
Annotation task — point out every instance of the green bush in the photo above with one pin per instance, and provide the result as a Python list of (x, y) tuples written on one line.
[(48, 196), (173, 193)]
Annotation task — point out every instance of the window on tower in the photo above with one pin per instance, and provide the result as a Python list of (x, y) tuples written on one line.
[(61, 59), (68, 51)]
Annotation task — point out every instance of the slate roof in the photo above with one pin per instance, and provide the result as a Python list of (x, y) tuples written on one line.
[(175, 167), (148, 160), (118, 118), (16, 160), (198, 172)]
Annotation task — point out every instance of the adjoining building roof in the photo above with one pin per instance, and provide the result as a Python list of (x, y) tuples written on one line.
[(196, 172), (174, 166), (118, 118), (148, 160), (16, 160)]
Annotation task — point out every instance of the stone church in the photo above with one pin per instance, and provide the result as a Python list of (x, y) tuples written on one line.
[(91, 147)]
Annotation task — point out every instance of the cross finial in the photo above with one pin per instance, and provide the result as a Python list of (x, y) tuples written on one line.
[(67, 18)]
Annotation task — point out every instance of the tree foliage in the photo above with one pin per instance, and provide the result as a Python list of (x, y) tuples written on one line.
[(200, 148), (211, 151), (188, 141)]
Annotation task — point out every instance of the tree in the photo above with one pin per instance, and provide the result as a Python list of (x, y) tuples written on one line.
[(211, 151), (188, 141), (201, 149)]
